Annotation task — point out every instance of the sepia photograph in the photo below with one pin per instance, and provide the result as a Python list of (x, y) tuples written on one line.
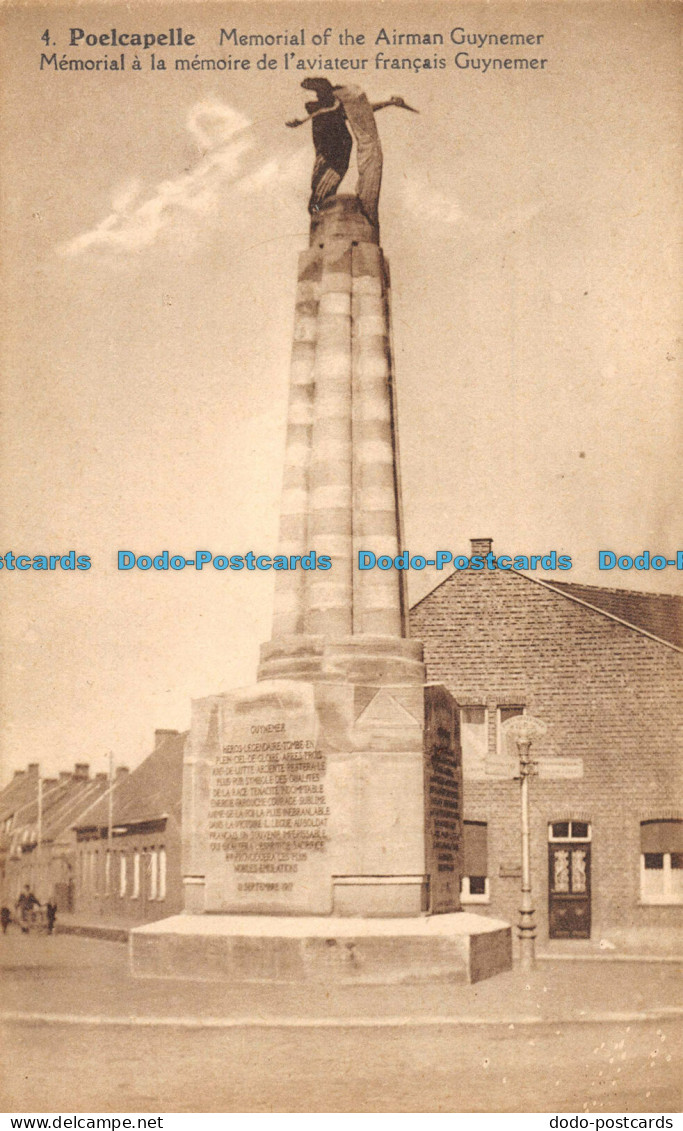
[(341, 549)]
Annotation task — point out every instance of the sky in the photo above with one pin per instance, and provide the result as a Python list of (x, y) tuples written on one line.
[(152, 225)]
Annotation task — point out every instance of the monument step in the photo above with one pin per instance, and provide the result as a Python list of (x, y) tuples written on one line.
[(456, 947)]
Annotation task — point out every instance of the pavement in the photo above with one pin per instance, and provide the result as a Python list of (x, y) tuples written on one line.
[(625, 944), (84, 980), (641, 944), (79, 1033)]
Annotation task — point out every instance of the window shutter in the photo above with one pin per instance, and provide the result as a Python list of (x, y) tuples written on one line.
[(475, 856), (661, 836)]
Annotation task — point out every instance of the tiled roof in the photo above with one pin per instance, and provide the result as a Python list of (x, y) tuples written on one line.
[(62, 802), (20, 791), (658, 613), (151, 791)]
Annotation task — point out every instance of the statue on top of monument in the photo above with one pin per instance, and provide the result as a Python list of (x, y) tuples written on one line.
[(336, 106)]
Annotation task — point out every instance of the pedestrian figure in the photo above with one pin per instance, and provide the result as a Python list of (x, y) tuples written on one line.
[(51, 913), (24, 905), (5, 918)]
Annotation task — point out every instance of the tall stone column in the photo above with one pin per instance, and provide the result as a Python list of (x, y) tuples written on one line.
[(340, 490), (377, 604), (329, 600), (289, 604)]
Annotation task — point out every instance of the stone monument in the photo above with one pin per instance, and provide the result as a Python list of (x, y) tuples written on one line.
[(322, 806)]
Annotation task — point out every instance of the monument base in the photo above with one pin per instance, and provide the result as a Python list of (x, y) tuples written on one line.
[(457, 947), (326, 797)]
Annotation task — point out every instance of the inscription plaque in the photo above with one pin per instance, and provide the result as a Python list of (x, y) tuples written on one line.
[(443, 799), (267, 812)]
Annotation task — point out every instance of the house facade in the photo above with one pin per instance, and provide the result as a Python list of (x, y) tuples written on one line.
[(606, 808), (127, 867), (36, 843)]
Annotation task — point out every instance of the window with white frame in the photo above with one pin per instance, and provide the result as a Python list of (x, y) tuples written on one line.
[(474, 730), (661, 861), (152, 873), (569, 857), (569, 830), (474, 884), (162, 874), (135, 893), (123, 877), (503, 713)]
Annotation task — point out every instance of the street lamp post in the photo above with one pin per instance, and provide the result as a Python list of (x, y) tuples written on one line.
[(525, 729), (38, 881), (110, 825)]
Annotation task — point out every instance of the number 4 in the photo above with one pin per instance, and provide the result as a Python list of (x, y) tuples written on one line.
[(46, 36)]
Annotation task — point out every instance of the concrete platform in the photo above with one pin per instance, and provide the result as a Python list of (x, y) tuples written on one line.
[(458, 947)]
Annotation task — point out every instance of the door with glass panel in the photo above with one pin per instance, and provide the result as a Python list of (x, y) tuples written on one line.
[(569, 880)]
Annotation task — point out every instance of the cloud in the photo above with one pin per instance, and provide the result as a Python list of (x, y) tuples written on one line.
[(214, 123), (261, 178), (224, 137), (126, 195), (427, 202)]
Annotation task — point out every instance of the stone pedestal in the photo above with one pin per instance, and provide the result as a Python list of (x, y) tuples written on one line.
[(329, 798), (321, 825), (328, 951)]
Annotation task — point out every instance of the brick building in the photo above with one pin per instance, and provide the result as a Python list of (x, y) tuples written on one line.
[(36, 843), (133, 875), (603, 668)]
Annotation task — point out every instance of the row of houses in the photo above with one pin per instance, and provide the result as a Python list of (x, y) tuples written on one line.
[(106, 850), (601, 667), (36, 833)]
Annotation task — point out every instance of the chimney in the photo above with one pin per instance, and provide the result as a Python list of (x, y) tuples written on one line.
[(18, 774), (65, 775), (161, 735), (121, 773), (32, 769), (49, 781), (481, 546), (81, 771), (103, 776)]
